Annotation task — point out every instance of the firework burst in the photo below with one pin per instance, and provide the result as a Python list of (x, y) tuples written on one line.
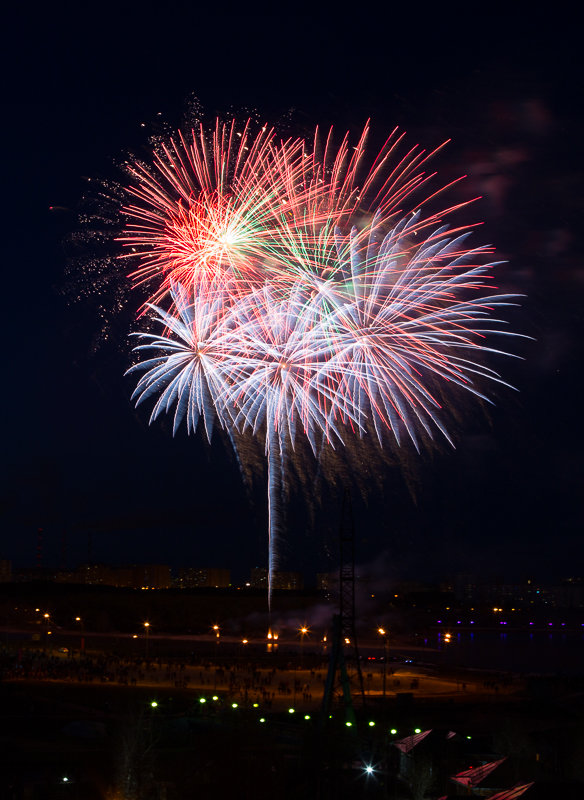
[(189, 372), (409, 317), (209, 210), (302, 304)]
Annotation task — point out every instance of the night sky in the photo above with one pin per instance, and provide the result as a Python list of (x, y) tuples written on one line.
[(87, 84)]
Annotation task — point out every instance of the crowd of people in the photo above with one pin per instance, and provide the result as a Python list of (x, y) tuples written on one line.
[(241, 680), (244, 681)]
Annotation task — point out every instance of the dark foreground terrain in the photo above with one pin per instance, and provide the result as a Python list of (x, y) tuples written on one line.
[(116, 729)]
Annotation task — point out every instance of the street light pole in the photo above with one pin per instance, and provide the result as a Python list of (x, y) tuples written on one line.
[(81, 637), (147, 627), (303, 632), (383, 632), (47, 618)]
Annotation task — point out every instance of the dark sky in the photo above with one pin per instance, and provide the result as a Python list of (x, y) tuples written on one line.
[(87, 83)]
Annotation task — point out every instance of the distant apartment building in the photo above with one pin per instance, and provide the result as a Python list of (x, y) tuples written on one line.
[(570, 593), (5, 570), (137, 576), (280, 580), (526, 594), (48, 574), (194, 577), (105, 575), (151, 576), (327, 581)]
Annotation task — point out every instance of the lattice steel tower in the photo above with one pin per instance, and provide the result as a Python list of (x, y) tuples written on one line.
[(344, 635)]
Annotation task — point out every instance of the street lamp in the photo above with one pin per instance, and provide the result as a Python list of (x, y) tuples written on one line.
[(272, 638), (147, 629), (383, 632)]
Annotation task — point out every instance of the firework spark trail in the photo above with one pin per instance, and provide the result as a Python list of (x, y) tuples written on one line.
[(302, 303)]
